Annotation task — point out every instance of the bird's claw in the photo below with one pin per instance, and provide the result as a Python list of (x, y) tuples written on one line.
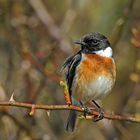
[(85, 109), (99, 117)]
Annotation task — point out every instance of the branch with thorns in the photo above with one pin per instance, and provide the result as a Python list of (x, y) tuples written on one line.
[(91, 115)]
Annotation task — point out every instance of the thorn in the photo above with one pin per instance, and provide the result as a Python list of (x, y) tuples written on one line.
[(12, 97), (32, 110), (48, 113)]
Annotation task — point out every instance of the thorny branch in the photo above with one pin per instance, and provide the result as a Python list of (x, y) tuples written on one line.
[(92, 114)]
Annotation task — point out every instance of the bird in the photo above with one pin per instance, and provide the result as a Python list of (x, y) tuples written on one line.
[(90, 73)]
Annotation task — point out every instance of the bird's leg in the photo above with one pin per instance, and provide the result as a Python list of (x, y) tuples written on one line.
[(85, 108), (101, 112)]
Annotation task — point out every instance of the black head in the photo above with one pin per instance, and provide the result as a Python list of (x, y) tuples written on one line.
[(93, 42)]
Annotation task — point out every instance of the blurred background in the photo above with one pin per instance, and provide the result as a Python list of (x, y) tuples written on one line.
[(36, 36)]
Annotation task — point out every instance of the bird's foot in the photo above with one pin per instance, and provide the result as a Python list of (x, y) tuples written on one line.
[(85, 108), (99, 117)]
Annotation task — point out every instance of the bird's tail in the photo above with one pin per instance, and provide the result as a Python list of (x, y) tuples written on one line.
[(71, 121)]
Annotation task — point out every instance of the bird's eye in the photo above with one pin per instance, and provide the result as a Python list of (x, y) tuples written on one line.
[(95, 41), (92, 42)]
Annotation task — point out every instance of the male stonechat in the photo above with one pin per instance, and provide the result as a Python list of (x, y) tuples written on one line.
[(90, 73)]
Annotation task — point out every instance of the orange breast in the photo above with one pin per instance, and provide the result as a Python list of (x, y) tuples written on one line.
[(94, 65), (91, 68)]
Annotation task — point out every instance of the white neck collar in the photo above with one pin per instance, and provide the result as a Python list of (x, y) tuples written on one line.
[(107, 52)]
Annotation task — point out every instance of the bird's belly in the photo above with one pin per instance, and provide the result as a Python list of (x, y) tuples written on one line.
[(85, 91)]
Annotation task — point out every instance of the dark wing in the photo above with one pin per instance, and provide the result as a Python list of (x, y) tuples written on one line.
[(70, 66)]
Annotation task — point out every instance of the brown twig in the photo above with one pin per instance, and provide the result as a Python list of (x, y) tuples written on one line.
[(77, 108)]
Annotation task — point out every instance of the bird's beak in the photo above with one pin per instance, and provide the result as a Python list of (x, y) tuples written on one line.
[(79, 42)]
